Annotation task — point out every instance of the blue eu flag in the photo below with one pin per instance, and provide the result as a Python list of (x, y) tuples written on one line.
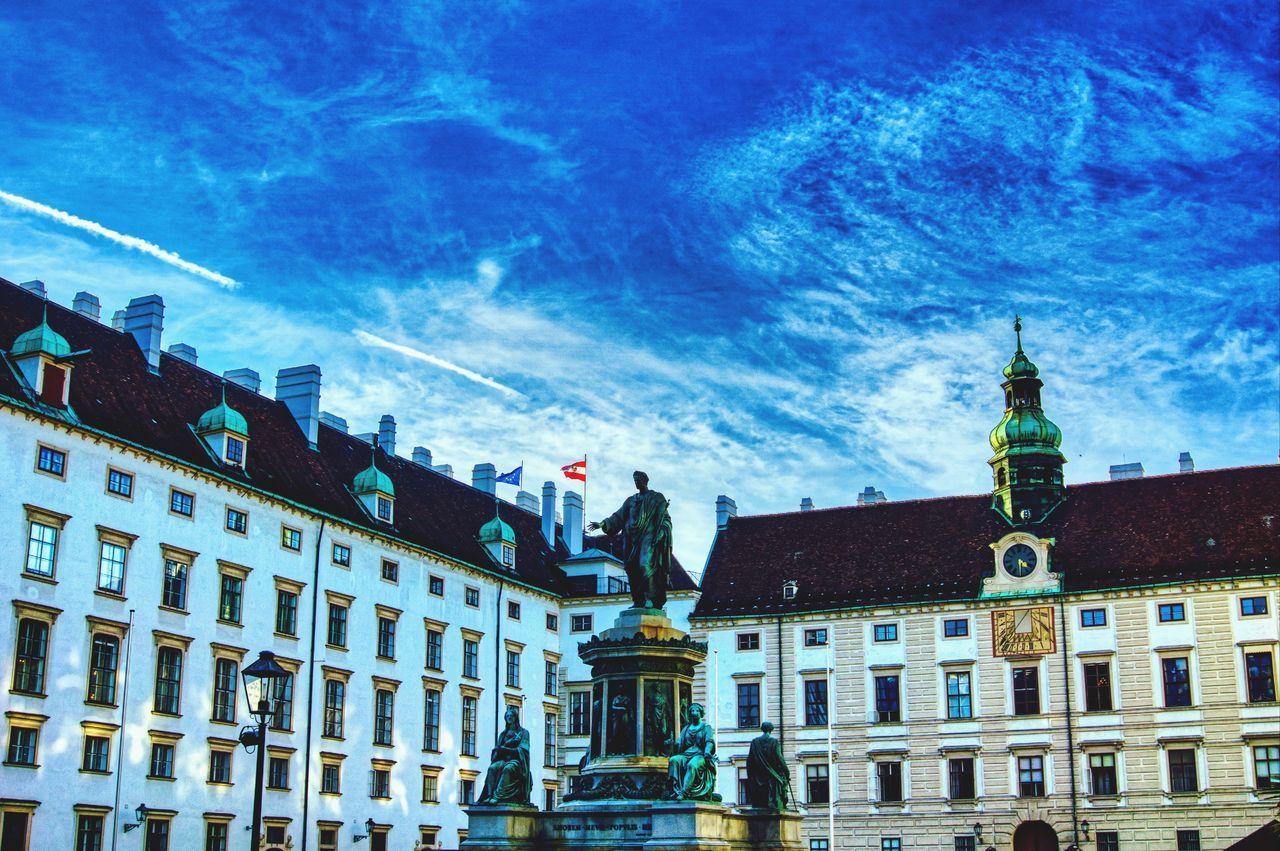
[(512, 478)]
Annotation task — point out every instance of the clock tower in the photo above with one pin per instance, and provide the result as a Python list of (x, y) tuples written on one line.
[(1027, 465)]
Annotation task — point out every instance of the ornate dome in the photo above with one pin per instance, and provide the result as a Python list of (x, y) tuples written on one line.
[(43, 339), (223, 417), (497, 531), (371, 479), (1025, 431)]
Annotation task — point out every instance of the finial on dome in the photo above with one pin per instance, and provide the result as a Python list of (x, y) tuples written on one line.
[(1017, 329)]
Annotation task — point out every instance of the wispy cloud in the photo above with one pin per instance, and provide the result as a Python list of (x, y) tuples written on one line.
[(410, 352), (119, 238)]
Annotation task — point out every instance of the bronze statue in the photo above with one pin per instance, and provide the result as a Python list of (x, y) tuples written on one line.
[(645, 526), (768, 778), (692, 768), (622, 727), (509, 780)]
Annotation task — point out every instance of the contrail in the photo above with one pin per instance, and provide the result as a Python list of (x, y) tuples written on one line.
[(373, 340), (120, 238)]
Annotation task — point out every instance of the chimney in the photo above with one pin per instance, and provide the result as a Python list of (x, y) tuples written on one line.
[(144, 319), (573, 521), (725, 508), (182, 351), (367, 436), (1185, 464), (527, 501), (871, 496), (806, 504), (245, 377), (387, 434), (333, 421), (87, 304), (298, 387), (422, 456), (549, 512), (36, 287), (444, 470), (484, 477), (117, 320), (1127, 471)]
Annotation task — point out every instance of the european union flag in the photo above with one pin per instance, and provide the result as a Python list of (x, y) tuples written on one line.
[(512, 478)]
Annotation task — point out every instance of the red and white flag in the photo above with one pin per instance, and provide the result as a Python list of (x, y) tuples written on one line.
[(576, 470)]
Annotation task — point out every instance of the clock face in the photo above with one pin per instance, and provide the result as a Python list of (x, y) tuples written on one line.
[(1019, 560), (1022, 632)]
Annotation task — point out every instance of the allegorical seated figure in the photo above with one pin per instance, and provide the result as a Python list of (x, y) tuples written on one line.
[(768, 778), (692, 768), (509, 780)]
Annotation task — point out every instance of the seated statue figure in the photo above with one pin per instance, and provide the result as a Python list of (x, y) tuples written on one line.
[(692, 768), (509, 780)]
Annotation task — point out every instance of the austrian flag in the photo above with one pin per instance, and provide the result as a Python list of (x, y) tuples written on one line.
[(576, 470)]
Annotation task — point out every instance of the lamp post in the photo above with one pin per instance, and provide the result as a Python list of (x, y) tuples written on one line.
[(259, 691)]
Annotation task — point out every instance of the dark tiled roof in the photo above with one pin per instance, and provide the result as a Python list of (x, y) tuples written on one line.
[(1118, 534), (113, 392)]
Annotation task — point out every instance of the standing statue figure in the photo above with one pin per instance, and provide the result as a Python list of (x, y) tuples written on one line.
[(645, 526), (692, 768), (768, 778), (509, 780)]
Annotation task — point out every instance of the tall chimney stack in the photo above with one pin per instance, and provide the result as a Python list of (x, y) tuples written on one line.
[(573, 521), (1185, 464), (422, 456), (87, 304), (333, 421), (117, 321), (806, 504), (298, 387), (549, 512), (484, 478), (1127, 471), (144, 319), (725, 508), (871, 496), (182, 351), (245, 377), (387, 434), (36, 287), (527, 501)]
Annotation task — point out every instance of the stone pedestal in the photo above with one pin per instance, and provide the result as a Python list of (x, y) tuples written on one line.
[(510, 828)]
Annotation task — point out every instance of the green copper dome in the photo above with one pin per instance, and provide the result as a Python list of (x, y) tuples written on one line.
[(497, 531), (371, 479), (1025, 431), (41, 339), (223, 417)]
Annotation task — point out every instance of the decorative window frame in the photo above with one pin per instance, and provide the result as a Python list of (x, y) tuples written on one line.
[(168, 552), (169, 503), (241, 572), (330, 758), (430, 771), (66, 459), (124, 540), (48, 615), (133, 483), (295, 587), (25, 721), (221, 745), (45, 517), (1172, 651), (163, 737)]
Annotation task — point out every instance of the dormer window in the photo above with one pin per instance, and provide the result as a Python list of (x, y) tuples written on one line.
[(384, 509), (375, 491), (499, 539), (43, 355), (235, 451), (508, 555), (225, 431), (789, 589)]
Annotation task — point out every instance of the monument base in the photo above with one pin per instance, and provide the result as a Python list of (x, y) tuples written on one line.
[(632, 826)]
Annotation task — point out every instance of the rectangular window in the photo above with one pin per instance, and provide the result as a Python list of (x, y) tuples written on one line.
[(817, 784), (42, 548), (955, 628), (290, 538), (1093, 617), (435, 586), (469, 710), (97, 754), (1188, 840), (470, 658), (1172, 612), (551, 684), (748, 705), (384, 509), (1182, 771), (430, 788), (579, 713), (215, 836), (278, 772), (1261, 676), (181, 502), (1177, 681), (386, 638), (435, 649), (1102, 774), (549, 722), (335, 702), (225, 673), (104, 658), (23, 744), (748, 641), (1097, 687), (468, 791), (329, 838), (337, 633), (553, 620), (1026, 691), (161, 760), (815, 703), (1266, 766), (471, 597), (580, 623), (961, 783), (513, 668), (331, 779), (157, 835), (168, 680), (230, 598), (120, 483), (89, 830), (1031, 777), (390, 570), (431, 721), (111, 561), (889, 779), (888, 699), (235, 451), (33, 652), (513, 610), (1108, 840), (219, 766), (966, 843), (341, 555), (1250, 606), (286, 612), (815, 637), (885, 632), (237, 521), (891, 843), (959, 698), (819, 845), (173, 594), (508, 555), (379, 783), (283, 688), (51, 461)]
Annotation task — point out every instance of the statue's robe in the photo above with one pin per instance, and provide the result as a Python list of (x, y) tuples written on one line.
[(692, 767), (645, 527), (509, 780), (768, 778)]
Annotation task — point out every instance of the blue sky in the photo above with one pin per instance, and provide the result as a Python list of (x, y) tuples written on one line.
[(765, 249)]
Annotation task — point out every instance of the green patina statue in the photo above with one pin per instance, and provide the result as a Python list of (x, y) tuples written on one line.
[(645, 527), (692, 768), (509, 780), (768, 778)]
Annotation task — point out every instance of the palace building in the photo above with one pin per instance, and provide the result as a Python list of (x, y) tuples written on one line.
[(1039, 666), (163, 525)]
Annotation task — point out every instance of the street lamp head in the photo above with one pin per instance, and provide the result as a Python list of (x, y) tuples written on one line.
[(1084, 825), (141, 813), (259, 685), (369, 825), (977, 831)]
